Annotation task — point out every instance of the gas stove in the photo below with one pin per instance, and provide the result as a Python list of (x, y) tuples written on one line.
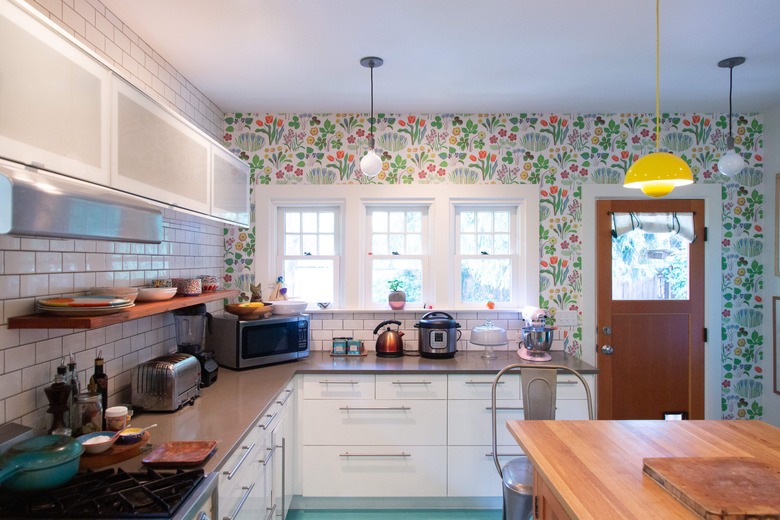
[(111, 493)]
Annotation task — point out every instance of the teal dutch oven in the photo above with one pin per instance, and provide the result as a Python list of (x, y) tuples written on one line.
[(41, 462)]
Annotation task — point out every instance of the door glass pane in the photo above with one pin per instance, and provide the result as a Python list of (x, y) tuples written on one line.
[(649, 266)]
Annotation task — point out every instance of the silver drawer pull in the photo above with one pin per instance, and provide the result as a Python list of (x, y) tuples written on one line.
[(268, 422), (505, 454), (379, 408), (270, 455), (348, 454), (411, 382), (568, 382), (286, 397), (247, 491), (230, 474), (271, 511), (505, 408), (484, 382), (326, 382)]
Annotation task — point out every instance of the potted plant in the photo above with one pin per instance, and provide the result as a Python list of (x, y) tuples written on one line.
[(397, 297)]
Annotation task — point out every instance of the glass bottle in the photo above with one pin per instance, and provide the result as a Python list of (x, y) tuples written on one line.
[(100, 380), (75, 390), (57, 394)]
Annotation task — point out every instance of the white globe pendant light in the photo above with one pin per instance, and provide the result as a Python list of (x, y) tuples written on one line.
[(371, 163), (731, 163)]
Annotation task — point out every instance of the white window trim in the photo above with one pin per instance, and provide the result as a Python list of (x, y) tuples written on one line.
[(441, 199)]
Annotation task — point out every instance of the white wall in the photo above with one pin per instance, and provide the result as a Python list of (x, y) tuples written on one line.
[(772, 288)]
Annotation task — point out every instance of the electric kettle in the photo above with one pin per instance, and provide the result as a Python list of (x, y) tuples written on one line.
[(389, 343)]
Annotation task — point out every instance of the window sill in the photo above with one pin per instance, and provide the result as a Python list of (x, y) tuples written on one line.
[(420, 311)]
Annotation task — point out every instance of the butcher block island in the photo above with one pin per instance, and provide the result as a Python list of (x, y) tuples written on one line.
[(604, 470)]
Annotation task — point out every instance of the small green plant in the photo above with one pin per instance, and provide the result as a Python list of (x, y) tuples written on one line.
[(395, 285)]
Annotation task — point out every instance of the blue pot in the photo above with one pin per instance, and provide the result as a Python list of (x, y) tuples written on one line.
[(42, 462)]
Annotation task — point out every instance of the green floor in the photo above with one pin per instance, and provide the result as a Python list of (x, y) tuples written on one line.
[(394, 514)]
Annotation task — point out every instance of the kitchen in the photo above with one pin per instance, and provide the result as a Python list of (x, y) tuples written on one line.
[(193, 246)]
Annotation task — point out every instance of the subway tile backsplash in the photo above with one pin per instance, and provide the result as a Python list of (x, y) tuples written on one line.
[(33, 268)]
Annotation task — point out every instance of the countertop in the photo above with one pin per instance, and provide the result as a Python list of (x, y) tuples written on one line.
[(594, 468), (226, 410)]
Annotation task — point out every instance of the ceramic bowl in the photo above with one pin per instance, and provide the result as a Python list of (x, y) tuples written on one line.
[(289, 307), (249, 310), (154, 294), (130, 435), (92, 447), (128, 293)]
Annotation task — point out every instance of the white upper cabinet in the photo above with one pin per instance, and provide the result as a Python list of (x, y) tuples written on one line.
[(229, 187), (54, 99), (154, 154)]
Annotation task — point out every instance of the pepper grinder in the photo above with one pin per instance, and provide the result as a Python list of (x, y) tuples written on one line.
[(57, 394)]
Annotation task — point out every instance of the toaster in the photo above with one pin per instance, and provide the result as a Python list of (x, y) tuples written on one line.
[(165, 383)]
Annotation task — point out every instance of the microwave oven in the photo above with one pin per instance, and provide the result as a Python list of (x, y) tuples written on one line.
[(245, 344)]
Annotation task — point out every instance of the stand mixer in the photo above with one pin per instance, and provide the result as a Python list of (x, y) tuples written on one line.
[(537, 338)]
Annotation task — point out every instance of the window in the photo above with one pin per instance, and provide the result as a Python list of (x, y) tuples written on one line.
[(309, 255), (398, 250), (485, 253)]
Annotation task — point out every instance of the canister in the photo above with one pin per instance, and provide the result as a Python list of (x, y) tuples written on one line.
[(116, 418)]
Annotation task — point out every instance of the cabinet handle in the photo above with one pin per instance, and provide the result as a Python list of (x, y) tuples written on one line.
[(230, 474), (271, 511), (270, 455), (505, 408), (348, 454), (247, 490), (284, 464), (411, 383), (286, 397), (505, 454), (568, 382), (380, 408), (326, 382), (484, 382), (268, 423)]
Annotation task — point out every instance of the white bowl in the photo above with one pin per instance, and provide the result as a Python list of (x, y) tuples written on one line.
[(154, 294), (94, 448), (128, 293), (288, 307)]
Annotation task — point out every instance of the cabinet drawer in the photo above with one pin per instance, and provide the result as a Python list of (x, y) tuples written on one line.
[(478, 386), (569, 387), (366, 471), (469, 421), (402, 386), (571, 409), (387, 422), (472, 473), (338, 386)]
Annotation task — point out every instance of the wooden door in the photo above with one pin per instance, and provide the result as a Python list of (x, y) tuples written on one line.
[(650, 353)]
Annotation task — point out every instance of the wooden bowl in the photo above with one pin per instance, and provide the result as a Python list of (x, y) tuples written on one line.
[(249, 311)]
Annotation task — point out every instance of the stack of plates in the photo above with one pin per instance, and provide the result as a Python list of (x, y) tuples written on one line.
[(83, 305)]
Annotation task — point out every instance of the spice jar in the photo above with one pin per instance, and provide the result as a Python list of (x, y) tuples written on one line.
[(89, 410), (116, 418)]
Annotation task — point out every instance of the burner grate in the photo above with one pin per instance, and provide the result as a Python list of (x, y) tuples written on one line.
[(106, 494)]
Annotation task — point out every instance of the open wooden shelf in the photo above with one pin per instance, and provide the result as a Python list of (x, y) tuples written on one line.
[(140, 310)]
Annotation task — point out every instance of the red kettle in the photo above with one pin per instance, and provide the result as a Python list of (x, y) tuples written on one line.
[(389, 343)]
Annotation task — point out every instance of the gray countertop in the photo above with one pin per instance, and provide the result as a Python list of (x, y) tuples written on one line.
[(226, 410)]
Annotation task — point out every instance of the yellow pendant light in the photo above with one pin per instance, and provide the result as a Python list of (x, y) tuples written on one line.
[(658, 173)]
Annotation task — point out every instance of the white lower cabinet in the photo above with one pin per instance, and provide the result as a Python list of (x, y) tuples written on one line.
[(240, 492), (472, 473)]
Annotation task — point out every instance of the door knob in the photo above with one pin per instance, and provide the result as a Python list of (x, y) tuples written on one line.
[(606, 330), (607, 350)]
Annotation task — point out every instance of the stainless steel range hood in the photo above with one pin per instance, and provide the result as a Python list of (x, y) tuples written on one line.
[(39, 204)]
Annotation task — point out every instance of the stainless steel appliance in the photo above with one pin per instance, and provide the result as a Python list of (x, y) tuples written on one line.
[(114, 493), (252, 343), (390, 343), (165, 383), (439, 335), (191, 323)]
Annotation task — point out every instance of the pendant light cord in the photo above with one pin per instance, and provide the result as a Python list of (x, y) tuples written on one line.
[(371, 121), (731, 85), (657, 76)]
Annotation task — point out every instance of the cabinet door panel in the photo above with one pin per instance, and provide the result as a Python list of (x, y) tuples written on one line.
[(472, 473), (229, 186), (402, 386), (155, 154), (469, 422), (365, 471), (375, 423), (338, 386), (478, 386), (54, 99)]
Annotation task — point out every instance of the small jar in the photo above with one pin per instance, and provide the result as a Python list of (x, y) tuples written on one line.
[(89, 408), (116, 418)]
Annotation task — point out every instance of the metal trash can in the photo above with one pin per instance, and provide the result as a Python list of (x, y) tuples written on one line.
[(518, 489)]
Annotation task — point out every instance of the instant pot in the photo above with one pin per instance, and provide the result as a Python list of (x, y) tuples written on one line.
[(439, 335)]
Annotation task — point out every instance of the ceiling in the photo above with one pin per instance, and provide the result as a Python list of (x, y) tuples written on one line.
[(475, 56)]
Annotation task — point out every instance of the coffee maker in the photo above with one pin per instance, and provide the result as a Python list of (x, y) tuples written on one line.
[(191, 323)]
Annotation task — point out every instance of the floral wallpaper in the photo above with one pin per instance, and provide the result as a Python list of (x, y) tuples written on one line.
[(558, 153)]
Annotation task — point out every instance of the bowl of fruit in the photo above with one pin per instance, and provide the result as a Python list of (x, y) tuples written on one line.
[(249, 310)]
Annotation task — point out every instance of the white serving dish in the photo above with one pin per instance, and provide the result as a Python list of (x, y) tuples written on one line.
[(155, 294), (288, 306), (128, 293), (99, 447)]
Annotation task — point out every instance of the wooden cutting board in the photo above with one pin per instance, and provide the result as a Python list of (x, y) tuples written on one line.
[(729, 488), (114, 454), (180, 454)]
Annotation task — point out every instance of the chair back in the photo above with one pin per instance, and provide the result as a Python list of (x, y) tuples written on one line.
[(539, 387)]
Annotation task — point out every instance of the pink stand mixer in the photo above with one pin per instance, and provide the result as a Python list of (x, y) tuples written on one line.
[(537, 338)]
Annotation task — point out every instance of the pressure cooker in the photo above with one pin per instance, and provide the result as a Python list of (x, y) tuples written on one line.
[(439, 335)]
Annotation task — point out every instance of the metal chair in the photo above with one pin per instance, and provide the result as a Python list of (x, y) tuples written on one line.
[(539, 387)]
